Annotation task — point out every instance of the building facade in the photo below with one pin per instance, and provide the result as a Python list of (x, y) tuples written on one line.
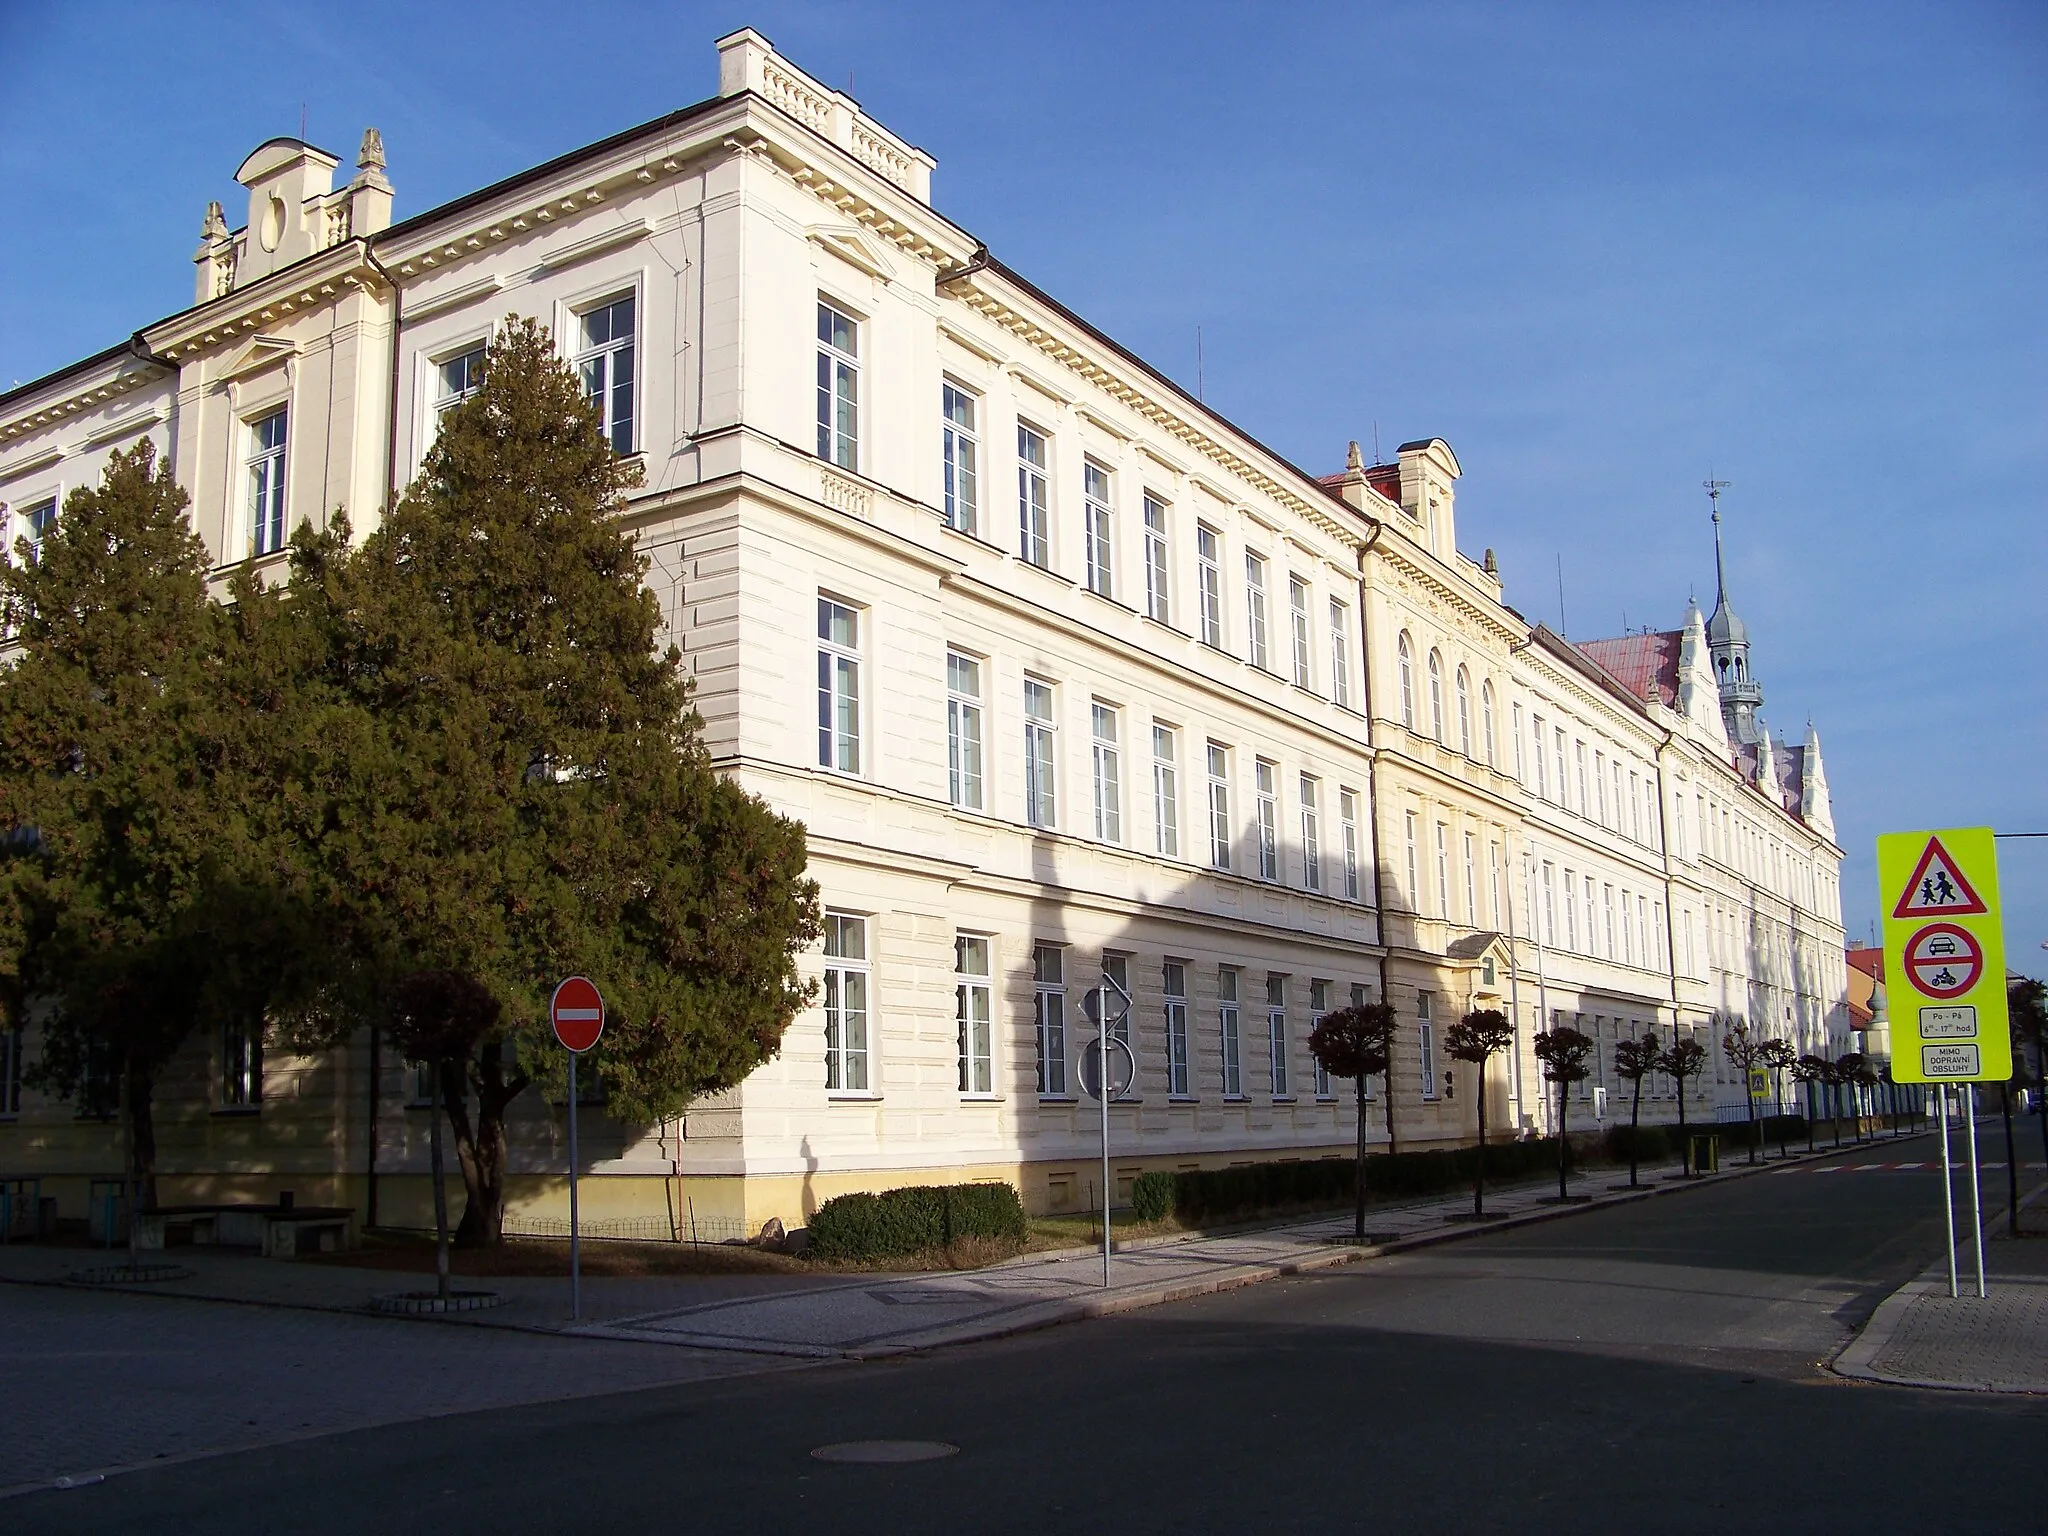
[(1071, 681)]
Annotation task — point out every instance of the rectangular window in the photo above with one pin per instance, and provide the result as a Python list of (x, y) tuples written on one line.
[(35, 522), (1318, 1005), (1108, 774), (1157, 572), (1267, 777), (1635, 808), (1049, 1007), (10, 1070), (1443, 871), (1297, 617), (1227, 1022), (1174, 982), (973, 1012), (846, 1003), (1097, 534), (1116, 970), (1563, 788), (1255, 611), (1571, 910), (1592, 917), (1471, 882), (1347, 815), (604, 363), (1414, 863), (1628, 932), (1493, 886), (1550, 904), (1426, 1042), (1219, 806), (265, 473), (838, 686), (1607, 910), (1034, 542), (1276, 1033), (456, 379), (963, 730), (1039, 753), (1643, 946), (1579, 764), (1520, 776), (1340, 653), (1165, 791), (838, 388), (1542, 774), (1209, 574), (241, 1064), (1311, 834), (962, 452)]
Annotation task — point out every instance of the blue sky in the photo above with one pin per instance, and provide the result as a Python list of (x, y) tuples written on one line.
[(1599, 248)]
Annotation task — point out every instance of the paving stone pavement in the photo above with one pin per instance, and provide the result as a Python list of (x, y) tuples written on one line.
[(1923, 1337)]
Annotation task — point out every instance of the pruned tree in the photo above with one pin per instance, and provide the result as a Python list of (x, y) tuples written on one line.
[(1848, 1074), (1635, 1058), (1478, 1036), (1563, 1051), (438, 1018), (525, 794), (2026, 1002), (1744, 1052), (1774, 1056), (1815, 1072), (1684, 1058), (1357, 1042)]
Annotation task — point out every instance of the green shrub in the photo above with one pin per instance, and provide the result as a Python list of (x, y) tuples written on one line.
[(923, 1218), (1216, 1195), (1152, 1196), (1652, 1143)]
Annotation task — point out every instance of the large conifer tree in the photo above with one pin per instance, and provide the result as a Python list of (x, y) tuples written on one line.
[(525, 795)]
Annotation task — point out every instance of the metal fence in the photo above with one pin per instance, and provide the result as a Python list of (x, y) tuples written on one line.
[(644, 1229)]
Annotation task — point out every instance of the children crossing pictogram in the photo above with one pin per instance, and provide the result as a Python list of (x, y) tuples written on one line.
[(1938, 888)]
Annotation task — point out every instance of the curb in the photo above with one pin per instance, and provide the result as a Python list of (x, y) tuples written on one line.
[(1854, 1362)]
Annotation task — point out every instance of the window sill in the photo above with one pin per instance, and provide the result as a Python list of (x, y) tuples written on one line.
[(237, 1111), (1046, 571), (1057, 1098), (1182, 1098), (1285, 1098), (1330, 1098), (972, 537), (1113, 601), (833, 1096), (1165, 624), (1205, 645), (981, 1098)]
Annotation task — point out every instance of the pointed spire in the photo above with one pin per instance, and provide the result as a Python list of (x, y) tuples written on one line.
[(216, 225), (1354, 461), (1714, 489), (371, 154)]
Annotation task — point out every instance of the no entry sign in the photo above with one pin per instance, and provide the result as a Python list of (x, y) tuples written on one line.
[(577, 1013)]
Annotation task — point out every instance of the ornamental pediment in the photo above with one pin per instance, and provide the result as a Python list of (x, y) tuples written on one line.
[(262, 352), (852, 245)]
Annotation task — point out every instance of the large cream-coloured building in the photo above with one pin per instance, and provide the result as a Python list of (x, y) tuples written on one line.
[(1069, 679)]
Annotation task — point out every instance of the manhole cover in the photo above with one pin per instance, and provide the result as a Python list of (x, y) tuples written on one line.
[(873, 1451)]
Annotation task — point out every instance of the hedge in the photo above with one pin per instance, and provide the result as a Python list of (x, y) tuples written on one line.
[(1652, 1142), (919, 1219), (1223, 1194)]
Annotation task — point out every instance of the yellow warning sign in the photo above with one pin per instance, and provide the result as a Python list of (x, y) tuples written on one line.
[(1944, 956), (1759, 1083)]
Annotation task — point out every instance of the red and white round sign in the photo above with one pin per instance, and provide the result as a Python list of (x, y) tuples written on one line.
[(1944, 960), (577, 1013)]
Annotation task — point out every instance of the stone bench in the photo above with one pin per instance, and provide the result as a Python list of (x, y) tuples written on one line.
[(275, 1231)]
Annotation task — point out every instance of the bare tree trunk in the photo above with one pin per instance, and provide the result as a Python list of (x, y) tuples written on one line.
[(440, 1180), (132, 1173), (1479, 1172), (1564, 1140), (1684, 1141), (1635, 1133), (481, 1149), (1358, 1226)]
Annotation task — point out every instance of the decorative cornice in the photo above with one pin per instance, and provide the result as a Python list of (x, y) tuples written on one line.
[(95, 394), (1425, 576)]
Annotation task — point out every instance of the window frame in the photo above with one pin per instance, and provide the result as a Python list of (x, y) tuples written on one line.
[(1279, 1048), (1404, 660), (1299, 595), (1230, 1032), (839, 661), (1049, 1020), (1340, 653), (609, 350), (1347, 817), (266, 481), (1158, 558), (966, 733), (1309, 788), (1034, 495), (1258, 651), (959, 458), (1041, 755), (1098, 528), (1266, 815), (838, 411), (239, 1086), (1166, 790), (1105, 758), (1461, 685), (840, 1054), (1173, 982), (976, 1055), (1209, 585), (1425, 1040), (1222, 833)]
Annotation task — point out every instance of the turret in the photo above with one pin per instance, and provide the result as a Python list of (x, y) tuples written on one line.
[(1815, 809), (1728, 642)]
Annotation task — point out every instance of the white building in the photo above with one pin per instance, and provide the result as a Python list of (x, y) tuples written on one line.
[(1068, 677)]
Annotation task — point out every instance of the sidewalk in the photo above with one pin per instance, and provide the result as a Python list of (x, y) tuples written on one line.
[(871, 1315), (1923, 1337)]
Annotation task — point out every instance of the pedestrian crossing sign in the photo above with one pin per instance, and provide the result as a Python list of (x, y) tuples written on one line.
[(1944, 956)]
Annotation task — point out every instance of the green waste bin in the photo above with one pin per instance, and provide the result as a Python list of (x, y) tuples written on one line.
[(1706, 1154)]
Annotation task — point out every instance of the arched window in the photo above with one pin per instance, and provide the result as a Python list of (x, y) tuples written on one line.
[(1436, 696), (1464, 712), (1486, 723), (1407, 653)]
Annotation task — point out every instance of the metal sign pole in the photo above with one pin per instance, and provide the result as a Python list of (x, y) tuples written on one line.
[(575, 1249), (1102, 1082), (1948, 1191), (1976, 1194)]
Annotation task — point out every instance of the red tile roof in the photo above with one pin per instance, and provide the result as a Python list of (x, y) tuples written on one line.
[(1646, 665), (1867, 960)]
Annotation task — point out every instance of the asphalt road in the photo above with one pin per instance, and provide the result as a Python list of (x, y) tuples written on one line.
[(1652, 1367)]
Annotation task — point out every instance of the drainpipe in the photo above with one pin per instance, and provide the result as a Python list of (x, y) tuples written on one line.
[(1372, 783), (1670, 906), (978, 262)]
